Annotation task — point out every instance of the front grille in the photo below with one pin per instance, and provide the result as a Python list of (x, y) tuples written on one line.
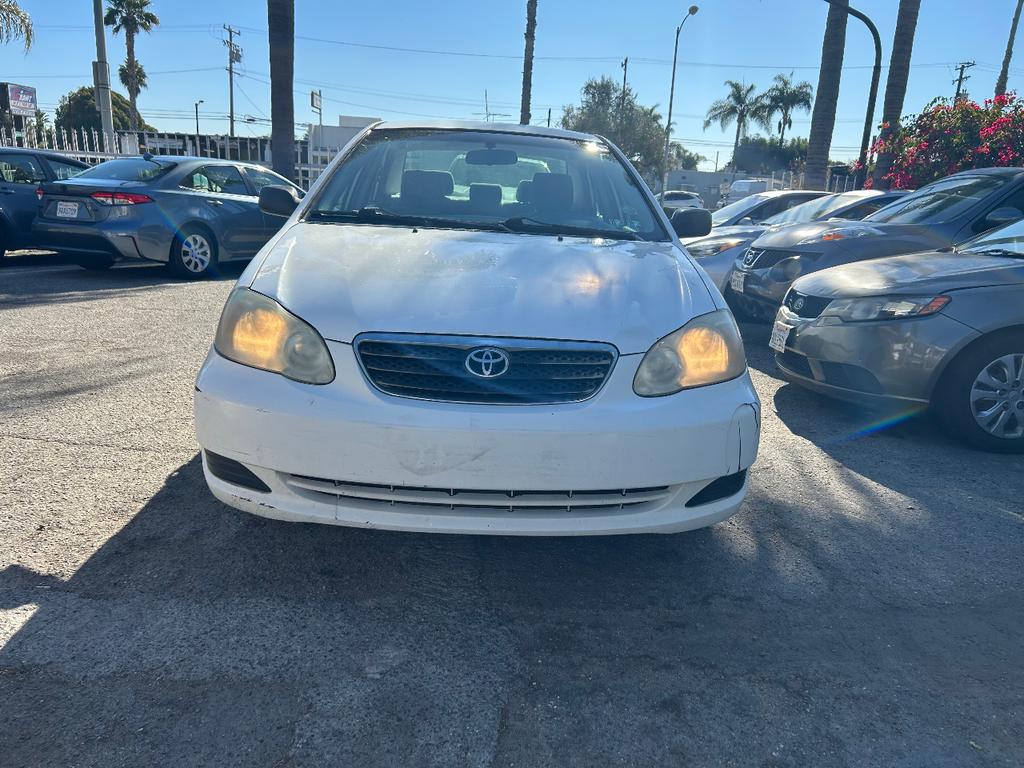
[(461, 499), (532, 371), (763, 258), (805, 306), (751, 256)]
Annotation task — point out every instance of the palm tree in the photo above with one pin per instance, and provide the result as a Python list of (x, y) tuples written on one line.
[(1005, 71), (131, 17), (823, 118), (281, 30), (785, 98), (896, 83), (15, 23), (531, 34), (741, 107)]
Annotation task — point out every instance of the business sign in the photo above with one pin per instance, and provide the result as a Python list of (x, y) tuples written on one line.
[(315, 100), (19, 99)]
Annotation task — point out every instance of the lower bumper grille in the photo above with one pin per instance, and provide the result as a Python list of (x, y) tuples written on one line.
[(458, 499)]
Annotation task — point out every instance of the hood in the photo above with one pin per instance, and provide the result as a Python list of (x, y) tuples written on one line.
[(736, 231), (850, 235), (347, 279), (926, 273)]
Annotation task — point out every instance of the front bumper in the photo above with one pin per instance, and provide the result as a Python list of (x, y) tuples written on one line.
[(761, 296), (311, 445), (883, 362)]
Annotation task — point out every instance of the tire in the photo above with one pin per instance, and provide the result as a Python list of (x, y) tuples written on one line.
[(193, 253), (980, 398), (95, 263)]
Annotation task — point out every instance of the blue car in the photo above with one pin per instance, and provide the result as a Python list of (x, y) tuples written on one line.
[(190, 213), (22, 172)]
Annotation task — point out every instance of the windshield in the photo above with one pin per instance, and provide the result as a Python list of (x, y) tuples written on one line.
[(489, 180), (127, 169), (1008, 238), (939, 202), (812, 210), (730, 211)]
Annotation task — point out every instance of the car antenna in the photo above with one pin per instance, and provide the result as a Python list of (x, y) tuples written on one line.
[(147, 155)]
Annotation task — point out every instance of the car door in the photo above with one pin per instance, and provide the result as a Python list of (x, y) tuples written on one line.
[(260, 178), (229, 207), (20, 177)]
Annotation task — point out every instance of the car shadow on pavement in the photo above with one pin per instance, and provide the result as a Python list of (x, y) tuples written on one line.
[(71, 283), (199, 635)]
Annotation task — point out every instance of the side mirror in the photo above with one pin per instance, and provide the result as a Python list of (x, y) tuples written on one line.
[(691, 222), (279, 200), (1001, 216), (746, 221)]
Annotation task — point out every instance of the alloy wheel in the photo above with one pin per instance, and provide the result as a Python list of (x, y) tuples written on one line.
[(196, 253), (997, 397)]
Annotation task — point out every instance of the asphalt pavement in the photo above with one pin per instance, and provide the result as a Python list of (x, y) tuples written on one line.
[(865, 607)]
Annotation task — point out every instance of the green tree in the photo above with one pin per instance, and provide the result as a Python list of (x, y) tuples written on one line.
[(784, 98), (823, 117), (531, 36), (637, 130), (1004, 72), (757, 154), (131, 17), (741, 107), (281, 31), (15, 24), (896, 83), (77, 110)]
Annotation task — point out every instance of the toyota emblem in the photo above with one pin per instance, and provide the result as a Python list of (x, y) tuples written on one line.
[(487, 362)]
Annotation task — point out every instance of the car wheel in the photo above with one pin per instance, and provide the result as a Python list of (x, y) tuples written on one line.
[(193, 253), (95, 263), (981, 397)]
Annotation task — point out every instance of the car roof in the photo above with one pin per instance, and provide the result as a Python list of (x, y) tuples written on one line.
[(469, 125), (780, 192), (1005, 171), (43, 153)]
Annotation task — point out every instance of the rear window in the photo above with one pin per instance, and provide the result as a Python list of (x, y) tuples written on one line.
[(127, 169)]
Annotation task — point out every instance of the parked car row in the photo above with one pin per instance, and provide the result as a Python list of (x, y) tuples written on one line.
[(919, 304), (189, 213)]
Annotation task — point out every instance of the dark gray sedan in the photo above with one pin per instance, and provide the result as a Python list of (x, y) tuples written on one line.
[(188, 212), (940, 328), (946, 212)]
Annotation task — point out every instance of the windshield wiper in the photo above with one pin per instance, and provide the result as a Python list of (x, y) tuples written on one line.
[(374, 215), (527, 224), (1006, 252)]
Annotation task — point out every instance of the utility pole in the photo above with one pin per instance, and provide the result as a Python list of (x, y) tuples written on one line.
[(197, 119), (234, 57), (716, 161), (963, 66), (549, 117), (101, 76), (622, 101)]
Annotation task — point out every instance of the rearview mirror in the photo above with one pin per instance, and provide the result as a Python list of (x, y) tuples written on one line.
[(279, 200), (691, 222), (491, 157), (1001, 216)]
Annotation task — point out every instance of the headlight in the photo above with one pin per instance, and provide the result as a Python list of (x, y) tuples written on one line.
[(703, 250), (841, 233), (787, 270), (884, 308), (707, 350), (256, 331)]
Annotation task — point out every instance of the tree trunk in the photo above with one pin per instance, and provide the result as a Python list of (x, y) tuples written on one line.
[(896, 83), (133, 84), (281, 29), (736, 143), (823, 118), (531, 34), (1005, 71), (782, 128)]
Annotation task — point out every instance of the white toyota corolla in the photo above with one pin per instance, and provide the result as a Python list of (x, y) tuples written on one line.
[(473, 328)]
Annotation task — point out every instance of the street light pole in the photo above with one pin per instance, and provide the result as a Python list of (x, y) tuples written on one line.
[(876, 73), (671, 95), (101, 77), (197, 118)]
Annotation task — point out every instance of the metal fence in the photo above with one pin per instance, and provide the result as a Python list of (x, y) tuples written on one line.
[(92, 146)]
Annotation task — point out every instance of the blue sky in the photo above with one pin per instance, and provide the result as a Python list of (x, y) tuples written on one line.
[(747, 40)]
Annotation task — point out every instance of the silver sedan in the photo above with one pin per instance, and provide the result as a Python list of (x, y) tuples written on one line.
[(188, 212), (943, 329)]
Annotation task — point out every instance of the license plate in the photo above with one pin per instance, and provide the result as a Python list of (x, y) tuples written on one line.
[(737, 280), (780, 335), (67, 210)]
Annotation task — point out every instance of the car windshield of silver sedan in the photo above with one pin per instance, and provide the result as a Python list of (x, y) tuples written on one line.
[(812, 210), (1005, 241), (482, 180), (940, 202)]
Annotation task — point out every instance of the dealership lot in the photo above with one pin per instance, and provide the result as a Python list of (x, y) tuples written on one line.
[(864, 608)]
